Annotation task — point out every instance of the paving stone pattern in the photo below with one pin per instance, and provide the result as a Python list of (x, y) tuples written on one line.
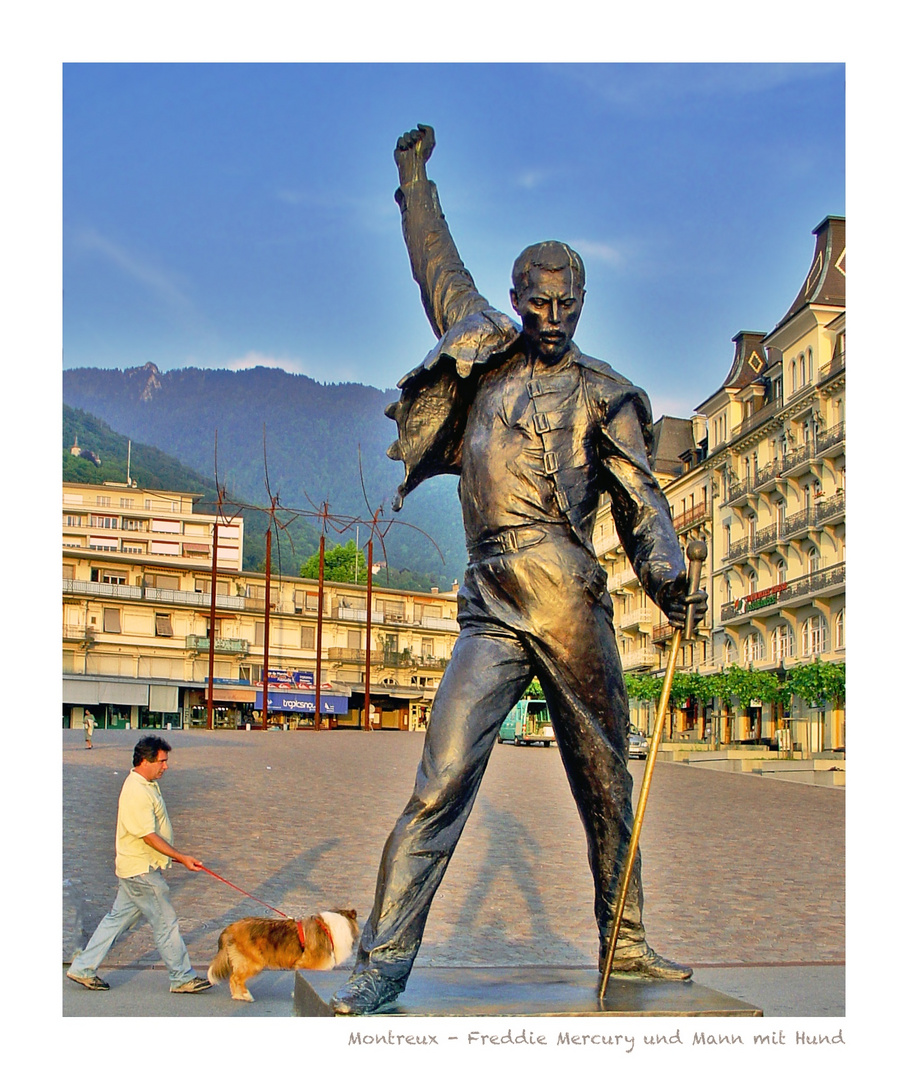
[(737, 869)]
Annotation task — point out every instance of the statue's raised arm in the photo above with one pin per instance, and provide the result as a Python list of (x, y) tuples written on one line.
[(448, 291)]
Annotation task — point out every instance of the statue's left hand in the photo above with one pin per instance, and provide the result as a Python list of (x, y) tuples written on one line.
[(674, 599)]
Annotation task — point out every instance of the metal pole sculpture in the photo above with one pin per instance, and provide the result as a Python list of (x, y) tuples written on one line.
[(367, 675), (696, 553), (318, 631), (209, 698)]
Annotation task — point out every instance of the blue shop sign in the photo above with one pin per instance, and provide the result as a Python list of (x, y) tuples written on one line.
[(289, 701)]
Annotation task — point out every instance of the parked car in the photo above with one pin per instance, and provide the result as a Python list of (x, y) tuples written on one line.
[(637, 744), (528, 723)]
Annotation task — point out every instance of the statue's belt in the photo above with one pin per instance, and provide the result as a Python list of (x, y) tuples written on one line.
[(515, 539)]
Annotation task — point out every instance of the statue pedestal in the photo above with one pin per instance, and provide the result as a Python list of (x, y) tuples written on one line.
[(528, 991)]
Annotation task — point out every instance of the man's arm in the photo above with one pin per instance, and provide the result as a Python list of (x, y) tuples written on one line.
[(160, 844), (448, 291), (642, 515)]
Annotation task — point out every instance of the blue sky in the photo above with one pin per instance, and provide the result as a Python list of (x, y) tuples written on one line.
[(226, 215)]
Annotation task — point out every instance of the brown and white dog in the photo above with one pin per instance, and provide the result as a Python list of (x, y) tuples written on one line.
[(319, 943)]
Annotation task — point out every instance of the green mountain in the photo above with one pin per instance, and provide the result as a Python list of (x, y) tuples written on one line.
[(277, 434)]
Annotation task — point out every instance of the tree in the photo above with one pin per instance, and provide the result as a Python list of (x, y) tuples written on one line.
[(342, 563), (816, 682)]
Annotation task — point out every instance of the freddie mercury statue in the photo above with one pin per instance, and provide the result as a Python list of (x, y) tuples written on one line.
[(537, 432)]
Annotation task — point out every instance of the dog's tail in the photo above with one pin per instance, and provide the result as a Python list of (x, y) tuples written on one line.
[(220, 965)]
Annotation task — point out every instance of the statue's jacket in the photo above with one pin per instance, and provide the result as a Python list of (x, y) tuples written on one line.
[(595, 426)]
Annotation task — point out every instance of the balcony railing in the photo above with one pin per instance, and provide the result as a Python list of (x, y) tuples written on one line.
[(101, 588), (355, 656), (641, 616), (689, 518), (639, 658), (821, 513), (808, 585), (756, 419)]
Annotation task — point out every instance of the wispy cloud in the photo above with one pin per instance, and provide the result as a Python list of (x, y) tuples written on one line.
[(597, 251), (166, 286), (640, 87)]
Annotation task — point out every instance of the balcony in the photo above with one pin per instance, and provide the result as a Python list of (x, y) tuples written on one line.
[(350, 614), (605, 543), (102, 589), (828, 580), (835, 365), (767, 412), (623, 578), (233, 646), (641, 616), (356, 656), (432, 622), (695, 516), (640, 658), (834, 437)]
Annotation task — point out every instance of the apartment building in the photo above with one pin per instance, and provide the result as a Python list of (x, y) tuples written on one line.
[(137, 628), (763, 482)]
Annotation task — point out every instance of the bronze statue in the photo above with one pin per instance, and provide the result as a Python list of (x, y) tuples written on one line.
[(537, 432)]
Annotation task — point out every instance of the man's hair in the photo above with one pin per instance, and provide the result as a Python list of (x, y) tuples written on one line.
[(549, 255), (147, 749)]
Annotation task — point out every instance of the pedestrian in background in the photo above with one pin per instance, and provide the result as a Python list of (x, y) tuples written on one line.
[(143, 850), (88, 723)]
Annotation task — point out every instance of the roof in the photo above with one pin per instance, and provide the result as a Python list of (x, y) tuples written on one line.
[(672, 436), (825, 281)]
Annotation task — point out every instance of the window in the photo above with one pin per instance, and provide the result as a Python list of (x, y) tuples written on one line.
[(781, 643), (74, 521), (102, 500), (813, 636), (259, 633), (162, 581), (753, 649), (354, 639), (69, 572), (781, 573), (162, 626), (126, 504), (103, 521), (111, 620), (840, 630), (134, 524), (729, 652), (307, 637)]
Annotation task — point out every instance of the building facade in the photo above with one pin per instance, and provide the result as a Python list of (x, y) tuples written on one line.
[(137, 626), (763, 482)]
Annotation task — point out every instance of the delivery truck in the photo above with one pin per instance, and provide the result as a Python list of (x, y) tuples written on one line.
[(528, 724)]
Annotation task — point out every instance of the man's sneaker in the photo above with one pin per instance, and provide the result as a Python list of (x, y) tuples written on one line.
[(365, 992), (90, 982), (194, 986), (649, 965)]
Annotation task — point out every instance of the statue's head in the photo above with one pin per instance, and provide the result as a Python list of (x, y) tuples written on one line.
[(547, 294)]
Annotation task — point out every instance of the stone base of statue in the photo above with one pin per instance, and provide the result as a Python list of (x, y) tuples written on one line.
[(527, 991)]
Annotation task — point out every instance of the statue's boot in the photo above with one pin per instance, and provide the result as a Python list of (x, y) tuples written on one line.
[(645, 963), (365, 992)]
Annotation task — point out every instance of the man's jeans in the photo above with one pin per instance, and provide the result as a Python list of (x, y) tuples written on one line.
[(145, 895)]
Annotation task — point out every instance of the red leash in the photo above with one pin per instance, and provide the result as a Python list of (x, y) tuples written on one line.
[(299, 922), (243, 891)]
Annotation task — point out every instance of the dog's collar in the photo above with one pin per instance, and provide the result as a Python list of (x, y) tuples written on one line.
[(321, 922)]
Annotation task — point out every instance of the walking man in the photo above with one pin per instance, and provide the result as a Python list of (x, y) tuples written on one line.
[(143, 847), (88, 725), (537, 432)]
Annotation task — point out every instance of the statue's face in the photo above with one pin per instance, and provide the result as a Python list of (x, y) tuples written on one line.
[(549, 307)]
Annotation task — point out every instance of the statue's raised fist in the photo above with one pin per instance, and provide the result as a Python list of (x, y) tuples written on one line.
[(413, 150)]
